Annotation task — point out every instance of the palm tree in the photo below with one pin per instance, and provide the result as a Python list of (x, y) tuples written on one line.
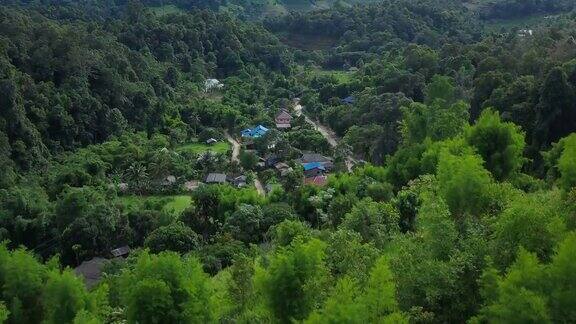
[(137, 174), (194, 121)]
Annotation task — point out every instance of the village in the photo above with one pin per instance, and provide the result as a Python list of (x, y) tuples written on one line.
[(262, 160), (314, 166), (266, 156), (259, 145)]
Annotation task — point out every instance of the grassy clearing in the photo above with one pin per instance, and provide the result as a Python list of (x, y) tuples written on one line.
[(307, 42), (178, 205), (165, 10), (530, 22), (197, 148), (173, 205), (274, 10), (339, 75)]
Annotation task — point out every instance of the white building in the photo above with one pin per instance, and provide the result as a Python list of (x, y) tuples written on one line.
[(212, 84), (525, 32)]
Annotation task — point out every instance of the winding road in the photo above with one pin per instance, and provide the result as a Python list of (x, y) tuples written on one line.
[(236, 158), (235, 147), (259, 186), (328, 134)]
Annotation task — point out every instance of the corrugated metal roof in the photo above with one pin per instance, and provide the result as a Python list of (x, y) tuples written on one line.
[(216, 178)]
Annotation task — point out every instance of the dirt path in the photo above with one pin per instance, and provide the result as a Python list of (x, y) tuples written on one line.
[(235, 158), (259, 187), (328, 134), (235, 147)]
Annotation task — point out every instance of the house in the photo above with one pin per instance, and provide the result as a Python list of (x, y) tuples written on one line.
[(283, 120), (91, 271), (283, 169), (271, 160), (240, 181), (315, 157), (212, 84), (255, 132), (121, 251), (320, 180), (211, 141), (313, 169), (350, 100), (215, 178)]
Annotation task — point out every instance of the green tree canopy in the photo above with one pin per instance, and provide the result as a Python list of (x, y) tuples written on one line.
[(166, 288), (500, 144)]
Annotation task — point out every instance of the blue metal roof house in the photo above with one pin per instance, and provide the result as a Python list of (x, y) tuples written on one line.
[(313, 165), (255, 132)]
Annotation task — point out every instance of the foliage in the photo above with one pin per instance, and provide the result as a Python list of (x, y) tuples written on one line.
[(174, 237), (450, 213), (530, 223), (375, 222), (531, 291), (350, 303), (500, 144), (464, 183), (293, 280), (567, 163), (165, 287), (246, 223)]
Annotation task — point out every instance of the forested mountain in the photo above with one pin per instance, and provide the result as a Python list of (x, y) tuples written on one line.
[(404, 161), (505, 9), (72, 84)]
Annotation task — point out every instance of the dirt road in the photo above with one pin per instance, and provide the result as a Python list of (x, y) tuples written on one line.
[(259, 187), (328, 134), (235, 147)]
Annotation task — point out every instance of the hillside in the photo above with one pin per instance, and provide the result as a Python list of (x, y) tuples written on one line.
[(399, 161)]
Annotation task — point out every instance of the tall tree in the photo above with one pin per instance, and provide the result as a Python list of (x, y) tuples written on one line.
[(294, 280), (499, 143)]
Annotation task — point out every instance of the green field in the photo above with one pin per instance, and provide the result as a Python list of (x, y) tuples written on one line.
[(339, 75), (165, 10), (197, 148), (173, 205), (307, 42)]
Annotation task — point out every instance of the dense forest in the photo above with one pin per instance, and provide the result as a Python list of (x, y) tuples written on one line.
[(395, 161)]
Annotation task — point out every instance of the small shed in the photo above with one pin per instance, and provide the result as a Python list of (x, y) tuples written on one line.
[(121, 251), (216, 178), (283, 168), (240, 181), (211, 141)]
